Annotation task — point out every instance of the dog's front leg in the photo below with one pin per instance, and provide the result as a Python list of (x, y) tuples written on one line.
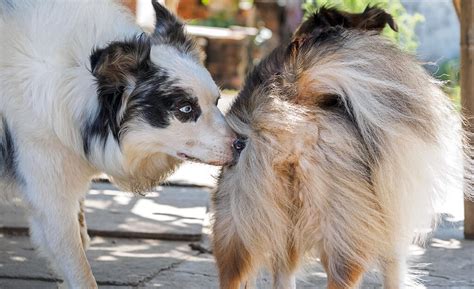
[(83, 226), (53, 195), (55, 229)]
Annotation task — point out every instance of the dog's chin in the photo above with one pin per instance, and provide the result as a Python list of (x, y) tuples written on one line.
[(215, 162)]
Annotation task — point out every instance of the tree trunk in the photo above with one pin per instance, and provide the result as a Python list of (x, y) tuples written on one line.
[(467, 93)]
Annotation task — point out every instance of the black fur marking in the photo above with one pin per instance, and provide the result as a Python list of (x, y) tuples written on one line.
[(372, 18), (158, 97), (111, 66), (259, 79), (170, 30), (7, 153), (330, 102)]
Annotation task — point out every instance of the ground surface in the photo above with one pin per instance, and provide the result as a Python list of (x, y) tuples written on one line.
[(179, 213), (143, 242)]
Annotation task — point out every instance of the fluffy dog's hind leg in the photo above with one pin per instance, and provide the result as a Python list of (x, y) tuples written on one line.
[(83, 226), (251, 283), (284, 272), (340, 275), (394, 272), (284, 280), (233, 259)]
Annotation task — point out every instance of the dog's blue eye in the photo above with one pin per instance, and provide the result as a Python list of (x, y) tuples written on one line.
[(186, 109)]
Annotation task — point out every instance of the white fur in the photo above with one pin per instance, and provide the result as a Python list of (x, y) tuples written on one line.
[(48, 93)]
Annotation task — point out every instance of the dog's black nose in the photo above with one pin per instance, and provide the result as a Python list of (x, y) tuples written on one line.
[(239, 144)]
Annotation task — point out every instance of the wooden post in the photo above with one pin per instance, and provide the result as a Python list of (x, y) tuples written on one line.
[(457, 8), (467, 92)]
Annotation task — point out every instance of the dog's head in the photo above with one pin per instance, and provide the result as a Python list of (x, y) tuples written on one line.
[(156, 98)]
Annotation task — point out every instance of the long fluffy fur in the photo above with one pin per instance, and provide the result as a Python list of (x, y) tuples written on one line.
[(351, 146)]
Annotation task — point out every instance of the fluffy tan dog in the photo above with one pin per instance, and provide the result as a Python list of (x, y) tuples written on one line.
[(350, 145)]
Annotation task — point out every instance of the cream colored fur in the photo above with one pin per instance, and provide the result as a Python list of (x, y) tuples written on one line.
[(356, 190)]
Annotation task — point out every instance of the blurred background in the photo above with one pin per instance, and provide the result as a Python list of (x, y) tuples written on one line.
[(236, 34)]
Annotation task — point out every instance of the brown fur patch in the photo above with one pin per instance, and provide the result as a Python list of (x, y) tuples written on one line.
[(233, 261), (352, 273), (81, 216)]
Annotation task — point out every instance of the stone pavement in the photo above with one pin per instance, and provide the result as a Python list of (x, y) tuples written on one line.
[(144, 242)]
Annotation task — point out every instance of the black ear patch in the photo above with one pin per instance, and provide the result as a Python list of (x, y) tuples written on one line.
[(118, 58), (170, 30), (371, 19), (113, 67)]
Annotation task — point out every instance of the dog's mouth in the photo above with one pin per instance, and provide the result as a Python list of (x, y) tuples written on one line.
[(189, 158)]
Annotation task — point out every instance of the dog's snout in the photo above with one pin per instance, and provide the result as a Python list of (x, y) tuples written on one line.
[(239, 144)]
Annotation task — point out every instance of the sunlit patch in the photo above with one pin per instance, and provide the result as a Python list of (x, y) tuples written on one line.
[(446, 244), (320, 274), (181, 217), (122, 200), (107, 258), (416, 250), (18, 258)]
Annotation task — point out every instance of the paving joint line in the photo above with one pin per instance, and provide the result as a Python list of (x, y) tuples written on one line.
[(45, 279), (143, 282)]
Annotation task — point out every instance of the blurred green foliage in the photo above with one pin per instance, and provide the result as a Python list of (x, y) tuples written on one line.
[(406, 22), (448, 72), (220, 19)]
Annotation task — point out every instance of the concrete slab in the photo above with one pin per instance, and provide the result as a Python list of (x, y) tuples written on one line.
[(115, 262), (195, 273), (26, 284), (169, 213), (446, 262)]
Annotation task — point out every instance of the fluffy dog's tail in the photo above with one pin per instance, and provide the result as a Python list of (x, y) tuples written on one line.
[(418, 151), (410, 127)]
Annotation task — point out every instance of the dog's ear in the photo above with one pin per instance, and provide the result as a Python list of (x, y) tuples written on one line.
[(170, 30), (119, 59), (372, 18)]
